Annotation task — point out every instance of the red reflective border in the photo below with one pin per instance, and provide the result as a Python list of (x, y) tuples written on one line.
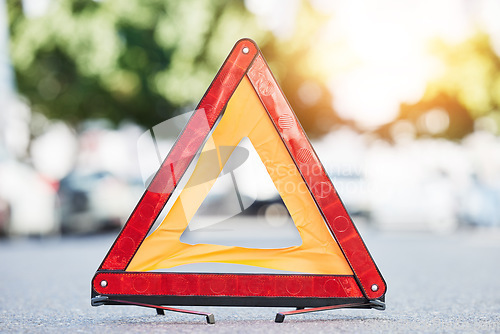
[(236, 285), (179, 158), (190, 141), (315, 177)]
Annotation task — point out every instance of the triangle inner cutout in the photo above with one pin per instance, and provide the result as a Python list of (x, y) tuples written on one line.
[(243, 207)]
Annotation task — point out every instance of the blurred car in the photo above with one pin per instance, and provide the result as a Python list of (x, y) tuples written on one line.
[(479, 205), (28, 201), (96, 201), (4, 216), (352, 190)]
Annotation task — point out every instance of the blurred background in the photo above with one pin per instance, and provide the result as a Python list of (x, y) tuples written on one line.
[(401, 100)]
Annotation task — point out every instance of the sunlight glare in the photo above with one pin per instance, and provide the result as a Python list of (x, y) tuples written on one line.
[(388, 62)]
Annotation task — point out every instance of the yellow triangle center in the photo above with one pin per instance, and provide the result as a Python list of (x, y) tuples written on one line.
[(245, 116)]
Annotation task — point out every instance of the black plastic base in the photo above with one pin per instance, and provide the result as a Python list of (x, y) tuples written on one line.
[(253, 301), (302, 305)]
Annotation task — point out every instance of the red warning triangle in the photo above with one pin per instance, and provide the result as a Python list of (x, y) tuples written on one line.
[(243, 97)]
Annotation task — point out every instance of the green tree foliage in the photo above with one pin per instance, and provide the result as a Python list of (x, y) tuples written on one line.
[(146, 60), (141, 60)]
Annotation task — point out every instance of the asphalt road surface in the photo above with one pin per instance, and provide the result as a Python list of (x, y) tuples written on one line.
[(436, 283)]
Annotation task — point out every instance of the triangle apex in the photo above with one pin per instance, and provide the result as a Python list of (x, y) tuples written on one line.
[(245, 40)]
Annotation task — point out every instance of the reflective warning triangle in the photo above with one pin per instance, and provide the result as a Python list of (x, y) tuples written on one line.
[(243, 101)]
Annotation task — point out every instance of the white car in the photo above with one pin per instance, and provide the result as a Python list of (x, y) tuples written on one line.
[(31, 200)]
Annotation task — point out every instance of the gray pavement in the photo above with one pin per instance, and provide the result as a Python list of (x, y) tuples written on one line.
[(436, 283)]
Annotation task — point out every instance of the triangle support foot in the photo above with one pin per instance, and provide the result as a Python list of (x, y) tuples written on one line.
[(160, 310), (375, 304)]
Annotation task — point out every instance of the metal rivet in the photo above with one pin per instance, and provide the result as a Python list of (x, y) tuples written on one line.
[(104, 284), (245, 50), (374, 287)]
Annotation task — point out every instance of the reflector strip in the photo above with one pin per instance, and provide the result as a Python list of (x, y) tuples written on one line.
[(237, 285)]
